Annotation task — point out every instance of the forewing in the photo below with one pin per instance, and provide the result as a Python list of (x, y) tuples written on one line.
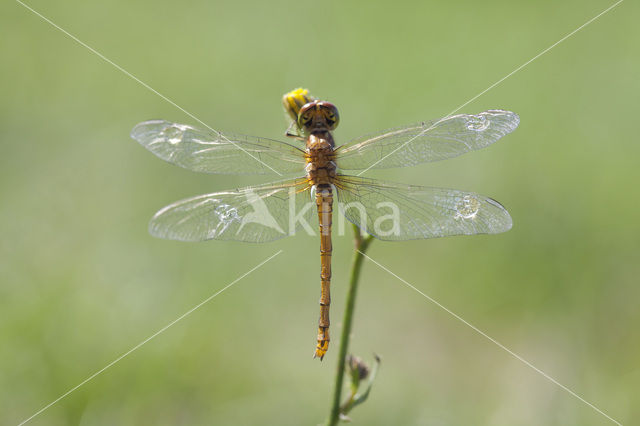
[(212, 152), (397, 212), (426, 142), (257, 214)]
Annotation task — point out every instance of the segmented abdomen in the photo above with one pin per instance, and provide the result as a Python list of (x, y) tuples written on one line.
[(324, 201)]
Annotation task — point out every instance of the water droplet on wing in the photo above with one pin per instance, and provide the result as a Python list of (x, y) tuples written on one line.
[(478, 123), (467, 207), (174, 133)]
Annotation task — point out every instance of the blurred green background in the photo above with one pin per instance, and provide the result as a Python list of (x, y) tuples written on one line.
[(81, 281)]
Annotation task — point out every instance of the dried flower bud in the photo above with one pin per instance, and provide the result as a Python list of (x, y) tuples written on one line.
[(357, 367)]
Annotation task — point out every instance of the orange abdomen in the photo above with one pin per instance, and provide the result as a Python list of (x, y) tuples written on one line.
[(324, 202)]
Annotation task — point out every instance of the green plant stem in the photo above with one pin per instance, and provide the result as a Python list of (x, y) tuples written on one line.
[(361, 247)]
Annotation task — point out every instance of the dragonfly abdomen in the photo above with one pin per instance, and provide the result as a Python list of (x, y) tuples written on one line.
[(324, 202)]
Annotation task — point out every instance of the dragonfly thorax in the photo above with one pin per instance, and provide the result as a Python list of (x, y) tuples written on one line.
[(320, 168)]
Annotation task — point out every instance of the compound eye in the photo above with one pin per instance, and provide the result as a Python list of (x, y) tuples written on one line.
[(305, 116), (305, 120), (331, 115)]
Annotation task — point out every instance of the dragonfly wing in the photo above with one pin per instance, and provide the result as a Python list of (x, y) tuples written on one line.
[(210, 151), (257, 214), (398, 212), (426, 142)]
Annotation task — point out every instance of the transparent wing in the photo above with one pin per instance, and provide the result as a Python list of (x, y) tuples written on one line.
[(212, 152), (395, 212), (426, 142), (257, 214)]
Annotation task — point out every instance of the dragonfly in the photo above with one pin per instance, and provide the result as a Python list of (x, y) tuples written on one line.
[(385, 210)]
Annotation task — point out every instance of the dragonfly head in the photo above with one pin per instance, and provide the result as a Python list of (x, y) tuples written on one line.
[(318, 115)]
